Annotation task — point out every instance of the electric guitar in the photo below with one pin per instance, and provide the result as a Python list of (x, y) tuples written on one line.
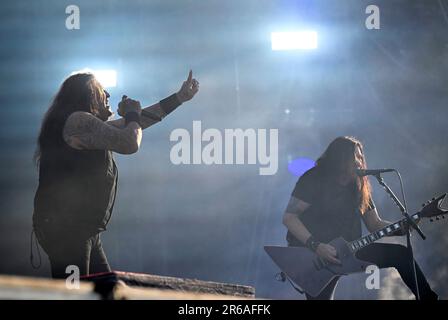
[(312, 274)]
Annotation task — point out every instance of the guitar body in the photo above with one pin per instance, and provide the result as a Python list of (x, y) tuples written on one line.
[(306, 269)]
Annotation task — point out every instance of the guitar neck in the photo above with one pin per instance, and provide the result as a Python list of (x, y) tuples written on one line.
[(384, 232)]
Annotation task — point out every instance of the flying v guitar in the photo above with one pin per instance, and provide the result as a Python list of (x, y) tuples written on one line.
[(312, 274)]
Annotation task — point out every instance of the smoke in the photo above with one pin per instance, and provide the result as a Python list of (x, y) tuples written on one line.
[(440, 278), (434, 261), (393, 288)]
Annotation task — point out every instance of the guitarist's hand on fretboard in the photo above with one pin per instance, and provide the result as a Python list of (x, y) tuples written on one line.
[(404, 228)]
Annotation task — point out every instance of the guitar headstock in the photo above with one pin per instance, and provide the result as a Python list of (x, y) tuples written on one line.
[(435, 207)]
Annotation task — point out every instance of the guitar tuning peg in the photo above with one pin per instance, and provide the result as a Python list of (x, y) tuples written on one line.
[(443, 217), (433, 199), (431, 220), (423, 205)]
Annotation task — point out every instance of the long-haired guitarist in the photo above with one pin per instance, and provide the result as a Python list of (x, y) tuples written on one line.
[(329, 201)]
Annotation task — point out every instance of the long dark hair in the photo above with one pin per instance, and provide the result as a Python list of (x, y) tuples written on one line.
[(79, 92), (339, 153)]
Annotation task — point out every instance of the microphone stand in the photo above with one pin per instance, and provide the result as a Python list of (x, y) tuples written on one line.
[(410, 222)]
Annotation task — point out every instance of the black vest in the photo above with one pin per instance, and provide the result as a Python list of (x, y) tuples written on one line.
[(76, 189)]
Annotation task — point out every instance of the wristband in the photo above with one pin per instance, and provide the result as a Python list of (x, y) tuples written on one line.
[(312, 244), (170, 103), (132, 116)]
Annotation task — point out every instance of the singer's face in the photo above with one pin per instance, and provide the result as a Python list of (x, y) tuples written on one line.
[(105, 111), (107, 100)]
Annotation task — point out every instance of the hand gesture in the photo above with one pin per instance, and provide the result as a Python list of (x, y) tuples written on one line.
[(189, 88)]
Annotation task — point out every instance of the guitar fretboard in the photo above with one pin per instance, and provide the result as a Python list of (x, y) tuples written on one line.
[(375, 236)]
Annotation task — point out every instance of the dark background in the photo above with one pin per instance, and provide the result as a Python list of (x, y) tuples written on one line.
[(387, 87)]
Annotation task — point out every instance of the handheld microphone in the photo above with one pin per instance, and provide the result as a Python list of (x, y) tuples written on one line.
[(144, 112), (372, 172)]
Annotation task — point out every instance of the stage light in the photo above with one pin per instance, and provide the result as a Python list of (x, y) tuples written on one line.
[(107, 78), (296, 40)]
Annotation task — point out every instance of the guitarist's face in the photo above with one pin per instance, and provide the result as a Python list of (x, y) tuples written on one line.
[(359, 158), (355, 162)]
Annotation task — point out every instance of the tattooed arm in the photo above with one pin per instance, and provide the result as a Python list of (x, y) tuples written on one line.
[(291, 218), (146, 122), (83, 130)]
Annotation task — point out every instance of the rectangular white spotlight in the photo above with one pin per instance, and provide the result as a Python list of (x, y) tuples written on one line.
[(107, 78), (295, 40)]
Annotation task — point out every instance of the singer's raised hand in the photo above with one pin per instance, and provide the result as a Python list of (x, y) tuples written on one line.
[(189, 88)]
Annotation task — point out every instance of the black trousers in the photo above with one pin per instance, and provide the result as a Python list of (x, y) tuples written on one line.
[(66, 248), (385, 255)]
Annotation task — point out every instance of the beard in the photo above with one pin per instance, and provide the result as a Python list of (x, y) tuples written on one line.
[(104, 114)]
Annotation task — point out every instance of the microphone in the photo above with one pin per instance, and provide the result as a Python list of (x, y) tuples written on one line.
[(144, 112), (372, 172)]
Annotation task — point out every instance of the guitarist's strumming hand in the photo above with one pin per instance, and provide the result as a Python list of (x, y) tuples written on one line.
[(328, 253)]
